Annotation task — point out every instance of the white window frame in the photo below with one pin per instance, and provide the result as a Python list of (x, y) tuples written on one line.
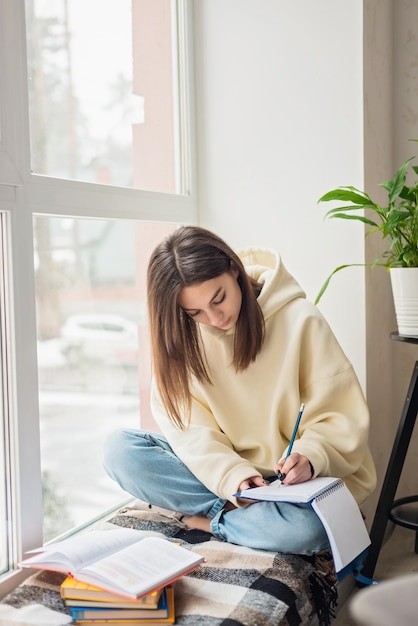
[(23, 195)]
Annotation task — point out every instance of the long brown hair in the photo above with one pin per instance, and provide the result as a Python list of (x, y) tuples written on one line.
[(189, 256)]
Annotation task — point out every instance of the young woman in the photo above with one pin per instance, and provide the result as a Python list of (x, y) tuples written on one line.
[(236, 349)]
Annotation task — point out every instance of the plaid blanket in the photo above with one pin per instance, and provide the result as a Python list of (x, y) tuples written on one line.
[(237, 586)]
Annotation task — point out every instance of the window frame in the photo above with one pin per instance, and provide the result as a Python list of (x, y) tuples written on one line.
[(23, 195)]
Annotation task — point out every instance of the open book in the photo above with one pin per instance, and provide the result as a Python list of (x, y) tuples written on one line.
[(336, 508), (125, 561)]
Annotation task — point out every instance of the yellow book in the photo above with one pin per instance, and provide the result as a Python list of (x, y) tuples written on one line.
[(170, 619), (76, 593)]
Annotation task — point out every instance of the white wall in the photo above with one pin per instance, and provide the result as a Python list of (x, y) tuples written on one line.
[(280, 122)]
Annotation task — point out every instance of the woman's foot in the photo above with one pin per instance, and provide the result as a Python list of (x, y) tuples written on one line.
[(203, 523), (140, 505), (196, 522)]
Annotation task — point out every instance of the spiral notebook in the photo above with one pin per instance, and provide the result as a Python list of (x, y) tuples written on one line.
[(336, 508)]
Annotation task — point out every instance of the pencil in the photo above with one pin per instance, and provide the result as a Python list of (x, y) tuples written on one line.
[(280, 475)]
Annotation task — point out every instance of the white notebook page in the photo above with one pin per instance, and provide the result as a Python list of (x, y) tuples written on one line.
[(344, 524)]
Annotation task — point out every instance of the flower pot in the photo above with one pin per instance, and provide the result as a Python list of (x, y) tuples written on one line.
[(405, 297)]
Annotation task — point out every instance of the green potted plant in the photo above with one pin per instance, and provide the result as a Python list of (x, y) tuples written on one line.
[(397, 223)]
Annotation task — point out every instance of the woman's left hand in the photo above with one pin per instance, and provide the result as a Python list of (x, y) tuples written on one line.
[(254, 481), (296, 467)]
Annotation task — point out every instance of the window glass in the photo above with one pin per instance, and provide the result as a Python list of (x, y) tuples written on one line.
[(5, 513), (4, 516), (93, 356), (102, 90)]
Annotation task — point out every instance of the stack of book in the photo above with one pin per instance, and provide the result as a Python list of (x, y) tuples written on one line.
[(117, 576), (93, 605)]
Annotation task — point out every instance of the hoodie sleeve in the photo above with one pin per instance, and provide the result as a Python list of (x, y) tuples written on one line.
[(334, 431), (204, 448)]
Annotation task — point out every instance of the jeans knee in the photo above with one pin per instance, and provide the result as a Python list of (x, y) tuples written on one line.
[(113, 450), (313, 538)]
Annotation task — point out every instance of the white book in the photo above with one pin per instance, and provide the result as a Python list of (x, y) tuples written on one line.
[(335, 506), (124, 561)]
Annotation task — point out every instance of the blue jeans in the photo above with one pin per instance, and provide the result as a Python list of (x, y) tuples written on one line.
[(144, 465)]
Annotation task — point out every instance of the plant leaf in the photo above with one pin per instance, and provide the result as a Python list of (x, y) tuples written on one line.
[(348, 194), (396, 184), (408, 194), (326, 283), (360, 218)]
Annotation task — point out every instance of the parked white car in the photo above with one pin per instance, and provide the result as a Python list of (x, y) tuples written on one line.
[(110, 339)]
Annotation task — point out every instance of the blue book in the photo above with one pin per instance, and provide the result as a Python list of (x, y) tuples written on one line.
[(79, 614)]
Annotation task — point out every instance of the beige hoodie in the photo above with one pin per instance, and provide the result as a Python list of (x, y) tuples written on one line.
[(242, 423)]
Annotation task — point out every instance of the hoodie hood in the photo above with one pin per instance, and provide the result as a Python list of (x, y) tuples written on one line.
[(278, 286)]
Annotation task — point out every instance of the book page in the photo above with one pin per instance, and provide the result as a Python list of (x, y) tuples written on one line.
[(71, 554), (140, 568), (343, 522)]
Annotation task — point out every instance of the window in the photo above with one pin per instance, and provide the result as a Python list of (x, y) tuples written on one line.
[(86, 196), (93, 357), (103, 99)]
